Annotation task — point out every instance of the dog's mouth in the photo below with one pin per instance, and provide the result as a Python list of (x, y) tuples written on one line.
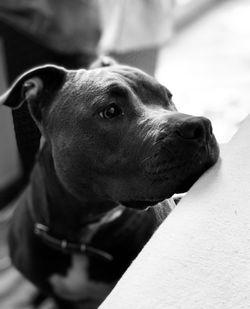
[(162, 186), (185, 167), (166, 180)]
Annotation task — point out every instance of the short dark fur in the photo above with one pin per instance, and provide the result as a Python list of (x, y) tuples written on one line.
[(88, 165)]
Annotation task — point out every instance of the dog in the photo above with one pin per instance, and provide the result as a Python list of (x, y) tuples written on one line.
[(113, 145)]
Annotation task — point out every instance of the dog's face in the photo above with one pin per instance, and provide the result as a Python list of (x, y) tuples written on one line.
[(115, 132)]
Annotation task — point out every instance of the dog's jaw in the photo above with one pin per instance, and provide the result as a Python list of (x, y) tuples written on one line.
[(168, 180)]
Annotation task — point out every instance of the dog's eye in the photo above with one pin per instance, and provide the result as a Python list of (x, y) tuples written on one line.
[(111, 111), (170, 95)]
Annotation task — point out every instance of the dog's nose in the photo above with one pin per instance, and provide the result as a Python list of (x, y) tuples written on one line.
[(195, 128)]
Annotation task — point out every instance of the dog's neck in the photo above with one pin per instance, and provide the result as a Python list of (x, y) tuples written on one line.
[(64, 213)]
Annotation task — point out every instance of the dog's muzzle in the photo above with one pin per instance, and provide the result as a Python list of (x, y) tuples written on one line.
[(182, 151)]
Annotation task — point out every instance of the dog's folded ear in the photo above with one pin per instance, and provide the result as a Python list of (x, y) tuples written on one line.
[(37, 87), (103, 61)]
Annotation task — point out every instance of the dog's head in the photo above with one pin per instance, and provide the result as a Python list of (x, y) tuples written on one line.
[(115, 129)]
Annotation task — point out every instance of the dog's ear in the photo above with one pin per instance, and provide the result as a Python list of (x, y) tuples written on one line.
[(37, 87), (103, 61)]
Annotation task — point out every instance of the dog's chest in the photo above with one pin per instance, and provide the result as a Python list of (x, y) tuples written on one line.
[(76, 284)]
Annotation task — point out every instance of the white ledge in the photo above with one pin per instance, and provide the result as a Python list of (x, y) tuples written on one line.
[(200, 255)]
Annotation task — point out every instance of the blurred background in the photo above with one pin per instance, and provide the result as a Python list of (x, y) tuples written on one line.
[(207, 65), (198, 49)]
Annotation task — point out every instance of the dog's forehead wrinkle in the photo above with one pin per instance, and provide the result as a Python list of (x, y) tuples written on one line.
[(139, 78), (102, 83), (149, 89), (119, 81), (119, 76)]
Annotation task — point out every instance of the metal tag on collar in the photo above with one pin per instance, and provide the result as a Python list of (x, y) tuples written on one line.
[(64, 245), (40, 228)]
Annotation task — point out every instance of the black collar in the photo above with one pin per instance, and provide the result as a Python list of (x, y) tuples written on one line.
[(42, 231), (63, 245)]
